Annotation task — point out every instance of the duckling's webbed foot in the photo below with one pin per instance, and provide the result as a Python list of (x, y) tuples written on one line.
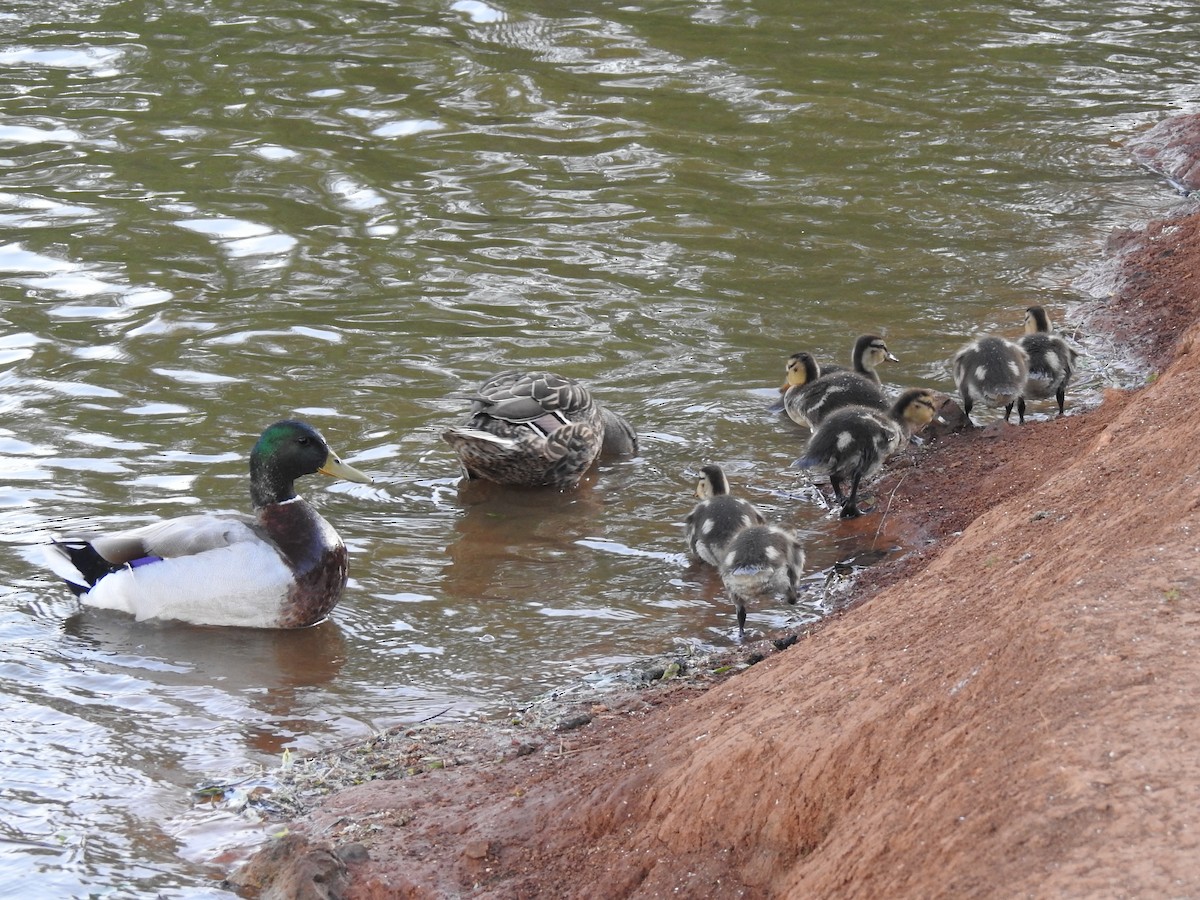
[(968, 403), (835, 482), (850, 507)]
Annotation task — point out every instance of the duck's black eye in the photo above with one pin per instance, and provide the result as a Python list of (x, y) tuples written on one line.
[(303, 439)]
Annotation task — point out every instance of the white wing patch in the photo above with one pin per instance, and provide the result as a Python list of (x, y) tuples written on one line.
[(472, 434), (243, 584)]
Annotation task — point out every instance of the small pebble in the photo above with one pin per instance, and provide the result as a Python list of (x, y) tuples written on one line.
[(352, 853), (477, 850), (570, 723)]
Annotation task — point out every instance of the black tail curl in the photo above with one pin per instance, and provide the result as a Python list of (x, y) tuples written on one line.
[(91, 565)]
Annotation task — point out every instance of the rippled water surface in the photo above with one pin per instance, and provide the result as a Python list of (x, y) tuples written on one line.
[(217, 215)]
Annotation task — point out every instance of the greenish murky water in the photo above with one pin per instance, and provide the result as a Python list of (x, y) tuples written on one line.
[(213, 216)]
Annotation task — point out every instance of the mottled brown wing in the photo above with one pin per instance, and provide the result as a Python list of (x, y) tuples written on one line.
[(524, 396)]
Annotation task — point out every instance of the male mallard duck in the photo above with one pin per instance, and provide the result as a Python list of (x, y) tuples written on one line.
[(854, 442), (537, 429), (1051, 362), (718, 517), (283, 567), (991, 370), (815, 392), (761, 562)]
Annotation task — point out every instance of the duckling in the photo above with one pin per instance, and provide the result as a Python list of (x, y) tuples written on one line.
[(283, 567), (811, 399), (803, 367), (1051, 362), (991, 370), (537, 429), (854, 442), (800, 368), (761, 562), (718, 517)]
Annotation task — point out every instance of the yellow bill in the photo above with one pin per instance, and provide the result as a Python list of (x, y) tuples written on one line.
[(335, 468)]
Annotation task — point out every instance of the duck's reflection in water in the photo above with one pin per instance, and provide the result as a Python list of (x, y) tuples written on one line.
[(505, 530), (263, 677)]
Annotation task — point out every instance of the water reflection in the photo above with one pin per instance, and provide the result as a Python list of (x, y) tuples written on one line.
[(271, 664), (511, 527)]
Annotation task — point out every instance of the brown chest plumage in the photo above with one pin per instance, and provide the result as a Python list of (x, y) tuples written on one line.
[(314, 552)]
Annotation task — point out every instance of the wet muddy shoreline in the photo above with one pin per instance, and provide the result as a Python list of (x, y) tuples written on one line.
[(1004, 709)]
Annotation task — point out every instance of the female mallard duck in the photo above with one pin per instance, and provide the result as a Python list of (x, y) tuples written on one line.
[(283, 567), (536, 429), (1051, 362), (816, 392), (991, 370), (854, 442), (718, 517), (761, 562)]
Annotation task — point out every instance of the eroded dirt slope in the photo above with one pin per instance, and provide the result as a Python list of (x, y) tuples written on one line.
[(1012, 710)]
